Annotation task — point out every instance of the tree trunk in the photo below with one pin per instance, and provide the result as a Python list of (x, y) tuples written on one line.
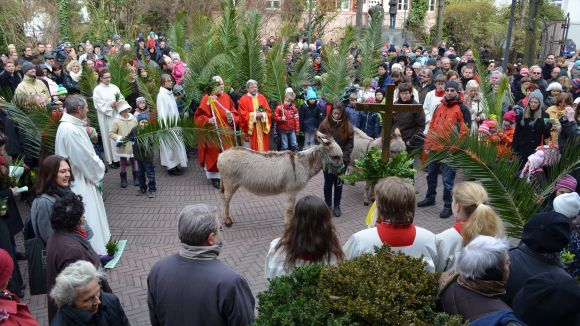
[(359, 13), (530, 55), (440, 12)]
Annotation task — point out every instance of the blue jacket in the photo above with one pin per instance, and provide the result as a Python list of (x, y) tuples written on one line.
[(310, 117), (352, 115), (370, 123)]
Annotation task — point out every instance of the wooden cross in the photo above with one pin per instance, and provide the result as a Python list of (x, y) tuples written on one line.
[(386, 111)]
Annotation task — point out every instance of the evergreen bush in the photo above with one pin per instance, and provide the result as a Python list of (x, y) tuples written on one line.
[(383, 289)]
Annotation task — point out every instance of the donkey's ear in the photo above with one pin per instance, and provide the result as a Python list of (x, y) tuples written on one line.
[(322, 138)]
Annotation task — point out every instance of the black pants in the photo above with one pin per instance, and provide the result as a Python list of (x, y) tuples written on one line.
[(330, 181)]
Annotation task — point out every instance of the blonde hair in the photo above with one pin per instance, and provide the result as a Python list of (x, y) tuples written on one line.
[(481, 218), (395, 201)]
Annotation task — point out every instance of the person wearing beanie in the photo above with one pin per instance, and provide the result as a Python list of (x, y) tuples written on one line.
[(451, 114), (144, 158), (549, 299), (15, 312), (119, 133), (317, 66), (311, 115), (177, 68), (553, 90), (140, 106), (32, 90), (569, 206), (543, 238), (531, 128), (566, 184), (61, 92)]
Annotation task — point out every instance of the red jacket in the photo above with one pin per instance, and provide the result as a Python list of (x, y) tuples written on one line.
[(292, 122), (447, 118), (18, 313)]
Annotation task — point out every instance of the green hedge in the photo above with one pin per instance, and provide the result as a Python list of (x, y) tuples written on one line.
[(383, 289)]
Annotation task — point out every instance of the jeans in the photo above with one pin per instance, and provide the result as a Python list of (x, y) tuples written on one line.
[(332, 180), (309, 139), (448, 181), (393, 20), (286, 136), (146, 168)]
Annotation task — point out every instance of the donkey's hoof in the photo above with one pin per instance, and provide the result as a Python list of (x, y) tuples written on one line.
[(228, 222), (366, 203)]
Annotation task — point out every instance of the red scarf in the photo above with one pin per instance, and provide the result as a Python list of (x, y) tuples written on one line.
[(80, 232), (458, 226), (439, 94), (397, 235)]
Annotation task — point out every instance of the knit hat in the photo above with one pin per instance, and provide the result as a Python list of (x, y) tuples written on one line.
[(392, 48), (525, 72), (61, 90), (538, 96), (567, 204), (178, 90), (175, 56), (577, 63), (417, 65), (452, 84), (140, 100), (6, 267), (548, 298), (116, 37), (431, 62), (555, 86), (484, 129), (310, 94), (48, 56), (142, 116), (472, 84), (122, 105), (315, 55), (26, 66), (547, 232), (510, 116), (567, 182)]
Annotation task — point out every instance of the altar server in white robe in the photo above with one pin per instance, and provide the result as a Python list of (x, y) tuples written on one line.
[(105, 98), (394, 226), (72, 142), (172, 154), (473, 217)]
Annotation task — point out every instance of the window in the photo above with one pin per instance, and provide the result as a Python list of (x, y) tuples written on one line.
[(273, 4), (344, 5), (403, 5), (432, 5)]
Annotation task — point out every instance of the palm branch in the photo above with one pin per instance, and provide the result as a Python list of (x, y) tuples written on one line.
[(250, 61), (177, 35), (149, 91), (301, 73), (338, 76), (513, 198), (370, 47), (87, 83), (492, 103), (6, 93), (117, 65), (276, 79), (226, 35)]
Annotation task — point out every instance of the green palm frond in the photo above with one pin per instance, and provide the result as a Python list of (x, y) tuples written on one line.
[(177, 35), (301, 73), (569, 161), (250, 60), (514, 199), (88, 82), (6, 93), (347, 40), (117, 65), (370, 47), (149, 90), (226, 36), (276, 78), (492, 103), (338, 76)]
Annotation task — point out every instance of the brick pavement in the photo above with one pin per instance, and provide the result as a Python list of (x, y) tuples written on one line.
[(150, 227)]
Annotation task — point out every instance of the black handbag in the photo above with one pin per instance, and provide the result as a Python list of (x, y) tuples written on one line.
[(36, 250)]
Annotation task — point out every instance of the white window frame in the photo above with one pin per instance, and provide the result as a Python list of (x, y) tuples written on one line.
[(432, 5), (270, 4), (342, 4), (403, 5)]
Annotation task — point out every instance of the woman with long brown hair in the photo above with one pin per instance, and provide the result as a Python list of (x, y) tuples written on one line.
[(309, 238), (338, 126)]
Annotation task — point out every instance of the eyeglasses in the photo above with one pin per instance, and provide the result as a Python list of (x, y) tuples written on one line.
[(536, 73), (451, 90)]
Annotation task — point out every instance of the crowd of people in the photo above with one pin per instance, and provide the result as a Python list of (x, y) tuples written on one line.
[(483, 279)]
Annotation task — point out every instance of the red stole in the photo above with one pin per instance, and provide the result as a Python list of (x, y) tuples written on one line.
[(458, 226), (397, 235)]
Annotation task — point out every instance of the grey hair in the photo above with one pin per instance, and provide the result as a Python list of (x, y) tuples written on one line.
[(535, 67), (250, 82), (195, 224), (482, 253), (72, 279), (428, 72), (217, 79), (73, 102)]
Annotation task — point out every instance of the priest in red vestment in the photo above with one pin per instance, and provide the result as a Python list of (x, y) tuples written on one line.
[(217, 109), (255, 117)]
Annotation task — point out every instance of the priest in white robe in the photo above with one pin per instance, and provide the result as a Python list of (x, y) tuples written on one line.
[(172, 153), (105, 97), (72, 142), (394, 226)]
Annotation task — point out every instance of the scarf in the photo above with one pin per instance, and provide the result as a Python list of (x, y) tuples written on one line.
[(200, 252), (80, 232), (76, 76), (486, 288), (439, 94)]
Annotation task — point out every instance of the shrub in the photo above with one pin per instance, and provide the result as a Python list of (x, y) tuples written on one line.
[(383, 289), (371, 167)]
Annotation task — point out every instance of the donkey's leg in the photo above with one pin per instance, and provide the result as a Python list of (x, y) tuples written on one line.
[(367, 196), (228, 192), (290, 208)]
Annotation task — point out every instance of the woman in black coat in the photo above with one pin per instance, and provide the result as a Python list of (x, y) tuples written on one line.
[(10, 220), (531, 128)]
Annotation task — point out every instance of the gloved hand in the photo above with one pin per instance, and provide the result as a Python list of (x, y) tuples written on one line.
[(120, 143)]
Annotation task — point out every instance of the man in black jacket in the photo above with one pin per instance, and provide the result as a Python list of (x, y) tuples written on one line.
[(9, 79)]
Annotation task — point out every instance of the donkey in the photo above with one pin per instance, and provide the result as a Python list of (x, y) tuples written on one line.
[(273, 173), (362, 144)]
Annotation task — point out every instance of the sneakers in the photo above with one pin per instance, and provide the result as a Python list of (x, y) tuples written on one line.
[(336, 211), (445, 213), (426, 202), (152, 194), (175, 171), (215, 183), (141, 192)]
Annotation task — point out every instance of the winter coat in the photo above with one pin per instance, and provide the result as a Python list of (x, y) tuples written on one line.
[(17, 313), (9, 81), (352, 114), (310, 117), (423, 90), (40, 213), (524, 264), (71, 86), (183, 291), (120, 129), (516, 88), (449, 116), (393, 6), (456, 299), (178, 71), (411, 124), (110, 313), (139, 152), (292, 120), (542, 85), (29, 88), (345, 144), (528, 137), (63, 249), (370, 123), (547, 71)]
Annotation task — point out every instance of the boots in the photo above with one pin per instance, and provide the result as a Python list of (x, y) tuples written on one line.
[(135, 179), (123, 179)]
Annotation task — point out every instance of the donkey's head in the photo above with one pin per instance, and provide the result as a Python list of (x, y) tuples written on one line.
[(330, 150), (397, 143)]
